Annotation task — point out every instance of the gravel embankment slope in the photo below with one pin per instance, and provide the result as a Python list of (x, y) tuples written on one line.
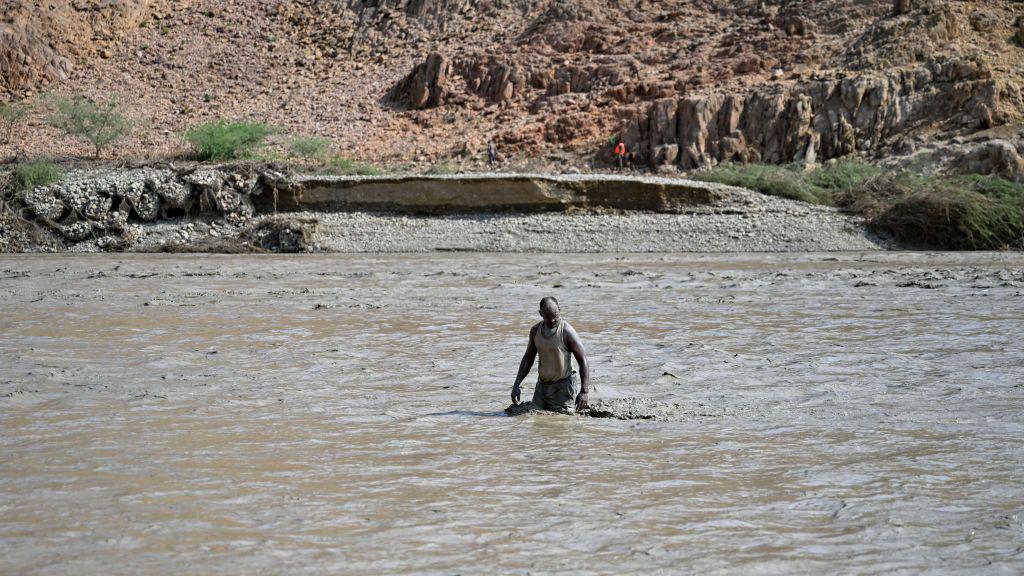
[(478, 212), (743, 221), (796, 231)]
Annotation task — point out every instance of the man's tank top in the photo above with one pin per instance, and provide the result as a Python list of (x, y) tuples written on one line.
[(555, 363)]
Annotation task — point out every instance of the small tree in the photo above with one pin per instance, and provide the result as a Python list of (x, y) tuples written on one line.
[(98, 123), (10, 114)]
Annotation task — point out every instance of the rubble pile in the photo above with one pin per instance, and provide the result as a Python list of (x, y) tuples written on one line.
[(108, 208)]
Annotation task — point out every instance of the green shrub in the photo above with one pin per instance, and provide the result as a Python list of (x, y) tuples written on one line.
[(309, 147), (349, 167), (33, 174), (267, 156), (440, 169), (10, 115), (992, 186), (957, 220), (842, 176), (972, 212), (368, 170), (783, 181), (98, 123), (221, 140)]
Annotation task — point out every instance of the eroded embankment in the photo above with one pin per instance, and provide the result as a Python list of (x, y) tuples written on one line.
[(256, 208), (492, 193)]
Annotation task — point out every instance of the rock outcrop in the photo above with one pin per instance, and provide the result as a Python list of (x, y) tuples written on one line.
[(915, 67), (817, 119), (429, 80), (39, 42), (426, 86), (999, 157), (27, 60)]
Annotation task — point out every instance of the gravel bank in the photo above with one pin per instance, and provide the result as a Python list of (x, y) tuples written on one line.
[(781, 226), (740, 221), (211, 209)]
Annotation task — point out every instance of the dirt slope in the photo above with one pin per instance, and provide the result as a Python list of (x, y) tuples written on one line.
[(684, 82)]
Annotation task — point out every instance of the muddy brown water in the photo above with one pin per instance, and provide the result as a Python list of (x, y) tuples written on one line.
[(853, 413)]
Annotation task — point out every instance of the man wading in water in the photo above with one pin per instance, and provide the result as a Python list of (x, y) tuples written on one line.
[(553, 339)]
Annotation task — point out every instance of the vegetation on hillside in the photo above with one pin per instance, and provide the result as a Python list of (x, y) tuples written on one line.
[(348, 167), (29, 175), (99, 123), (223, 140), (11, 113), (309, 148)]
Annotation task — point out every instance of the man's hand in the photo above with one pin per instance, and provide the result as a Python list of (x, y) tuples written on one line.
[(515, 394), (581, 401)]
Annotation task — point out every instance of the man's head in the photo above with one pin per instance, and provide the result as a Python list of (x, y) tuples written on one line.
[(549, 310)]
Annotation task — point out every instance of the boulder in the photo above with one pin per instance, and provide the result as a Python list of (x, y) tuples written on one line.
[(998, 157), (43, 201), (147, 207), (902, 7), (426, 86)]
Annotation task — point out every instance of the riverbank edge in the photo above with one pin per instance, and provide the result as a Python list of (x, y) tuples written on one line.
[(249, 207)]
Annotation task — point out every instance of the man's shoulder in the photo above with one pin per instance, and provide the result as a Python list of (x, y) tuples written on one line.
[(568, 332), (535, 327)]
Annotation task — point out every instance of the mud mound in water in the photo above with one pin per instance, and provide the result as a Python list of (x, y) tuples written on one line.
[(625, 409), (210, 246), (282, 234), (633, 409)]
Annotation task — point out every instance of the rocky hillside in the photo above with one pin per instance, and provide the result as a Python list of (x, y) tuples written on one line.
[(685, 83), (41, 43)]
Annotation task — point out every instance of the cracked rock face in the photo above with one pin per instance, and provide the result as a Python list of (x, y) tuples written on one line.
[(825, 118)]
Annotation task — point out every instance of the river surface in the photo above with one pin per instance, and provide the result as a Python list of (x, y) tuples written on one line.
[(850, 413)]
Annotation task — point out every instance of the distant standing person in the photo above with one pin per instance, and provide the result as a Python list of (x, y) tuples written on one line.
[(553, 339), (492, 153), (620, 154)]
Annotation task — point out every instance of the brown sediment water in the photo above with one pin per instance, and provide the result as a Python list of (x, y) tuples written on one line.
[(826, 413)]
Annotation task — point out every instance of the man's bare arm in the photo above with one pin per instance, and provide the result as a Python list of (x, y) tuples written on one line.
[(525, 365), (572, 342)]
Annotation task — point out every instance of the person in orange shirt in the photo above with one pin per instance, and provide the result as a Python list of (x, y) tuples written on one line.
[(620, 153)]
